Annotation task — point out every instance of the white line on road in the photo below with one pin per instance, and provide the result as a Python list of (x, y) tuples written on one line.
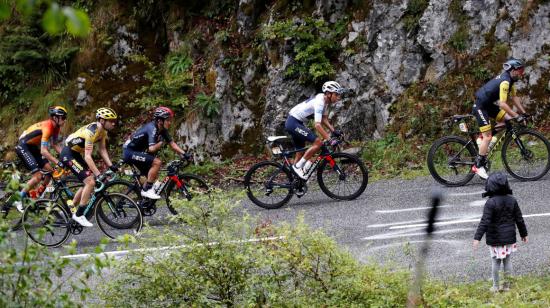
[(459, 221), (466, 193), (410, 209), (477, 203), (120, 253), (395, 223), (397, 235)]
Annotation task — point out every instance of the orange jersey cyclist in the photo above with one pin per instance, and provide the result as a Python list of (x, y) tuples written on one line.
[(316, 107), (34, 149), (140, 149), (77, 156), (492, 102)]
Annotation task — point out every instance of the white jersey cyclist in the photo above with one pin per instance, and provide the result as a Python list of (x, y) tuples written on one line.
[(314, 106)]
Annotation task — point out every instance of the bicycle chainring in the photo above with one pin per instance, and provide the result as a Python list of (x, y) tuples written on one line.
[(301, 191), (149, 210), (76, 228)]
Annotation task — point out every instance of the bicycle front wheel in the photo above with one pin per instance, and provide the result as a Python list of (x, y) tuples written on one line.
[(345, 177), (192, 186), (47, 223), (268, 184), (117, 214), (450, 161), (526, 155)]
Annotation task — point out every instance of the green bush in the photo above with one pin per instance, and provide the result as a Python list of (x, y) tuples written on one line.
[(315, 46), (226, 258), (32, 275), (208, 104), (415, 9)]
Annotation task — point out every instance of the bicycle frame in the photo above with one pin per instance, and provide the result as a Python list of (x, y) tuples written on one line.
[(172, 176), (325, 154)]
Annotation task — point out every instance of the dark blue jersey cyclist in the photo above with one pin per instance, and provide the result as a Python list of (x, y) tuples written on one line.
[(492, 102), (140, 149)]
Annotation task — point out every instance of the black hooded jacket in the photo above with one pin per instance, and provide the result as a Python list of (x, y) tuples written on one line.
[(501, 213)]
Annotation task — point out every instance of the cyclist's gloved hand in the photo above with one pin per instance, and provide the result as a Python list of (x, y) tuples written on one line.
[(331, 142), (336, 133), (187, 156), (60, 164), (113, 168), (520, 118)]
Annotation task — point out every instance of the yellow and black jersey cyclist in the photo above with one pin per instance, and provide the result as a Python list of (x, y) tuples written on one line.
[(33, 148), (77, 156), (492, 102)]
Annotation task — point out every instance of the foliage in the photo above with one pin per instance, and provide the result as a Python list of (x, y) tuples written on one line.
[(170, 82), (223, 258), (315, 46), (27, 55), (415, 9), (32, 275), (209, 104), (459, 40), (55, 20)]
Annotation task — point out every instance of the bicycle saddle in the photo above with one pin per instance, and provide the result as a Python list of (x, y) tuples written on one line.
[(275, 138), (458, 117)]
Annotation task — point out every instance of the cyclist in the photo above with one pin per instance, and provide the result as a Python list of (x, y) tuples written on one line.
[(316, 107), (34, 149), (140, 149), (491, 101), (81, 143)]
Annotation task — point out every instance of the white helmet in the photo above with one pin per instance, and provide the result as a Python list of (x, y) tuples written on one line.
[(332, 86)]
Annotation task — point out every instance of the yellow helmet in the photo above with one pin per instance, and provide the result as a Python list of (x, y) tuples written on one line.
[(106, 113)]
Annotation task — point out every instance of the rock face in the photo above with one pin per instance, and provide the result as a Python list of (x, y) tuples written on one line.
[(380, 60)]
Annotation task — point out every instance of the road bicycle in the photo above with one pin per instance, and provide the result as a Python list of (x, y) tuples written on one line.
[(272, 183), (174, 184), (525, 152), (48, 222)]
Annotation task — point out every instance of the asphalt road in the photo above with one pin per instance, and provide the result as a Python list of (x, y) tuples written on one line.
[(386, 225)]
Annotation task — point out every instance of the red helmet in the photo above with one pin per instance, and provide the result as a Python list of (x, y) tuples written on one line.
[(163, 113)]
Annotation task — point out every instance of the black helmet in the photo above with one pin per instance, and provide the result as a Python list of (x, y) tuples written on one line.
[(57, 111), (512, 64), (497, 184)]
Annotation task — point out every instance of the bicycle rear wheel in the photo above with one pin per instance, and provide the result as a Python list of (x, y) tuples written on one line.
[(450, 161), (117, 214), (346, 179), (527, 156), (268, 184), (47, 223), (192, 186)]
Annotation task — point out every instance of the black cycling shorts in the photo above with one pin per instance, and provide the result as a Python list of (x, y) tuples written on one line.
[(483, 114), (76, 163), (142, 161), (299, 132), (31, 157)]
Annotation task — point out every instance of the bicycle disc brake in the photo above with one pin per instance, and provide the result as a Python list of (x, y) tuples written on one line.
[(76, 228)]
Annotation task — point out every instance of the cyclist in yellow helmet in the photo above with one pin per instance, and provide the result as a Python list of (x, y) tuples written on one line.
[(82, 143), (34, 149)]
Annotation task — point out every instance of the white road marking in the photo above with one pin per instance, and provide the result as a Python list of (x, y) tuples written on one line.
[(478, 203), (395, 223), (410, 209), (459, 221), (385, 236), (120, 253), (466, 193)]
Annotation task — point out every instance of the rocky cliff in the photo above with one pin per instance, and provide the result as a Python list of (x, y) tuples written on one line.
[(252, 60)]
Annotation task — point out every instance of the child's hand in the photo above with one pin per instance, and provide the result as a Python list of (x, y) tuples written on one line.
[(476, 243), (525, 239)]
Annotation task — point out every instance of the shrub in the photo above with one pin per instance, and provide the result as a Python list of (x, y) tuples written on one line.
[(209, 104), (226, 259), (313, 46)]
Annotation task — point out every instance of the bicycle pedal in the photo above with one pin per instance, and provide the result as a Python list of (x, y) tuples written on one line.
[(76, 228)]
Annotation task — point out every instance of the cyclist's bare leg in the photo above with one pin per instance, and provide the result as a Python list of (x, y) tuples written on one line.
[(76, 198), (35, 179), (484, 146), (89, 183), (153, 173), (313, 149)]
